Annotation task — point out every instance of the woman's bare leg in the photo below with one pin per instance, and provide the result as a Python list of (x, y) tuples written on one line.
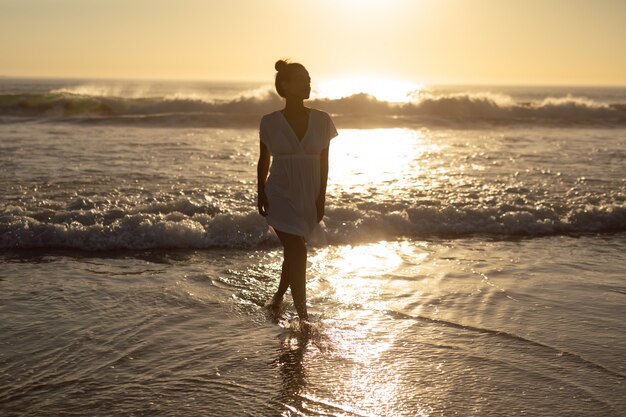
[(294, 271), (277, 299), (284, 282)]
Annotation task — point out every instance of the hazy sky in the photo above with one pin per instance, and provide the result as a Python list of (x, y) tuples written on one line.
[(424, 41)]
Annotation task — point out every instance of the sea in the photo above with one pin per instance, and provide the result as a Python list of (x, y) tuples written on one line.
[(475, 262)]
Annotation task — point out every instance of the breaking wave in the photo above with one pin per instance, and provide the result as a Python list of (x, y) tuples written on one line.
[(358, 110), (187, 224)]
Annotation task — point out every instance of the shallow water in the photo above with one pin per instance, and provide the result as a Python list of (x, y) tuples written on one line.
[(461, 327)]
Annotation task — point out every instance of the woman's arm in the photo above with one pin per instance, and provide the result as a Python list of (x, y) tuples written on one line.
[(321, 198), (262, 169)]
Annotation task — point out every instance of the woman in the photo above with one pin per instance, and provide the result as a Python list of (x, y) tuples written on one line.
[(293, 197)]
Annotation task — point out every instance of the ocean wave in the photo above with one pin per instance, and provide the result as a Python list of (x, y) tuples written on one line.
[(186, 224), (358, 110)]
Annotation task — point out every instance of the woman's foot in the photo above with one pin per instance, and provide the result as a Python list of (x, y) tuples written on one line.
[(306, 327), (274, 304)]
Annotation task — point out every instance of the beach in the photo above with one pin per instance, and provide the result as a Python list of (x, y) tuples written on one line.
[(475, 261)]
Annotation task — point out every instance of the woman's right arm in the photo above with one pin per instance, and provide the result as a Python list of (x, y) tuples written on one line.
[(262, 170)]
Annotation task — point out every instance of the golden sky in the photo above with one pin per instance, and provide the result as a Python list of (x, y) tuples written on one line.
[(423, 41)]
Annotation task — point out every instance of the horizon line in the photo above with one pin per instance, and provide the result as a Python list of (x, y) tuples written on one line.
[(258, 81)]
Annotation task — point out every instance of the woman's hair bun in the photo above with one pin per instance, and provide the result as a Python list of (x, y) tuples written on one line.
[(280, 65)]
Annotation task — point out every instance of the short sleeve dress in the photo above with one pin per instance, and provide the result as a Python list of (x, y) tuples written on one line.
[(293, 184)]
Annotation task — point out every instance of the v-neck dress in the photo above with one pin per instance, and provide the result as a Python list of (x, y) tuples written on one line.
[(293, 184)]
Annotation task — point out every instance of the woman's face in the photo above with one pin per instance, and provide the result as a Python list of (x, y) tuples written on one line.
[(298, 86)]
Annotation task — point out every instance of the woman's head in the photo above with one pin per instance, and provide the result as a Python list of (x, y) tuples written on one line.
[(292, 80)]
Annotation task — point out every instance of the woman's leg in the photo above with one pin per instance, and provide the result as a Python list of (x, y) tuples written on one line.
[(294, 271), (284, 283), (277, 299)]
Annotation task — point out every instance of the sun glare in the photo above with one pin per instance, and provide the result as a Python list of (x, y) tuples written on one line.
[(381, 88), (359, 163)]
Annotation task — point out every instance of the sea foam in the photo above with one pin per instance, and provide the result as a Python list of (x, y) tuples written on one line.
[(195, 226)]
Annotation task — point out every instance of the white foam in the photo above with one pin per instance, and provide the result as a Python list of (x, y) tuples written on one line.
[(149, 230)]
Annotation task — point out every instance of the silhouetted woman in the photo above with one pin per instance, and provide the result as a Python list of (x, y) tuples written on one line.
[(293, 197)]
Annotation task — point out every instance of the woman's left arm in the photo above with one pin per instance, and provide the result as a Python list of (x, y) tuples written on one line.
[(321, 198)]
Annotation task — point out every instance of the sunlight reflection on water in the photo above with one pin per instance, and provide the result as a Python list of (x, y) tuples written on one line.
[(366, 159)]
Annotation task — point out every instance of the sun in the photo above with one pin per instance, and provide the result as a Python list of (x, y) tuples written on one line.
[(383, 89)]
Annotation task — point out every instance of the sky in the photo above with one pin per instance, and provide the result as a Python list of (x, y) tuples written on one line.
[(528, 42)]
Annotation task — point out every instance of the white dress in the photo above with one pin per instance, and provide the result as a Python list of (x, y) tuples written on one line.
[(294, 179)]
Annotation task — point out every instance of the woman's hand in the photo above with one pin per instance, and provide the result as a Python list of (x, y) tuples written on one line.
[(262, 203), (321, 202), (321, 196)]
